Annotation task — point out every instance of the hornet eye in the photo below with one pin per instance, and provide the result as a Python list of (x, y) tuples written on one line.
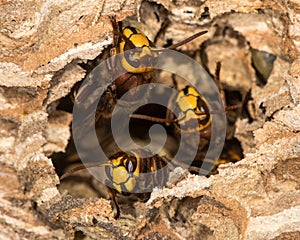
[(131, 59), (131, 165), (108, 171)]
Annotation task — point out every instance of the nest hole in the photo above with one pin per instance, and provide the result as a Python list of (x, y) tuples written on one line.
[(82, 183)]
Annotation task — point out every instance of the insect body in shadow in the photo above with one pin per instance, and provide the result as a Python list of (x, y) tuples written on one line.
[(128, 173)]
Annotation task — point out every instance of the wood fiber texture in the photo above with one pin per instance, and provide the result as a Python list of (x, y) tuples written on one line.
[(42, 44)]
